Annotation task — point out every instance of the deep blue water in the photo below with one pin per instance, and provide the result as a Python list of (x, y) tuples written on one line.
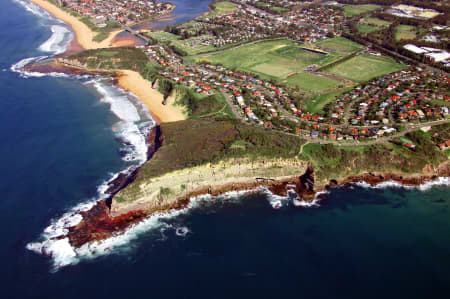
[(58, 146)]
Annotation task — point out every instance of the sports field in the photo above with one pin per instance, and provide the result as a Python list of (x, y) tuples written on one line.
[(362, 68), (310, 82), (340, 45), (353, 10), (369, 25), (222, 8), (403, 32), (271, 59)]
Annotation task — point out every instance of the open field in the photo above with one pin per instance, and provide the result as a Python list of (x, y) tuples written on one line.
[(340, 45), (274, 60), (362, 68), (369, 25), (310, 82), (353, 10), (316, 104), (403, 32), (285, 61), (162, 36), (222, 8)]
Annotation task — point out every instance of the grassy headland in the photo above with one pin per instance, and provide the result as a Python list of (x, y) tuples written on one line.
[(211, 152)]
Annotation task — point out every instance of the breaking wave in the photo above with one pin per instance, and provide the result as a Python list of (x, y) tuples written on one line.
[(58, 41), (56, 44), (36, 10), (440, 181), (134, 122), (64, 254), (132, 130)]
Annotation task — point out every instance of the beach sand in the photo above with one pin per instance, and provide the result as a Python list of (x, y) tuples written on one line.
[(130, 81), (133, 81), (84, 35)]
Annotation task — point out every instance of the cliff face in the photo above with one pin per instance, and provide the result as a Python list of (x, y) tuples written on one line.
[(100, 223)]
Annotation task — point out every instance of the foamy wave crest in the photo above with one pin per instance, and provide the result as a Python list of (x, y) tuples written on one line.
[(63, 254), (440, 181), (19, 68), (133, 127), (309, 204), (58, 41), (36, 10), (60, 250)]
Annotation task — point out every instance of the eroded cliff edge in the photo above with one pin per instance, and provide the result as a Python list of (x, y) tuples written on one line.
[(215, 156)]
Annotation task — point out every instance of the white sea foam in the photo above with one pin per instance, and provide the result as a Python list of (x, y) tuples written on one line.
[(19, 68), (35, 9), (309, 204), (440, 181), (132, 128), (182, 231), (63, 254), (58, 41)]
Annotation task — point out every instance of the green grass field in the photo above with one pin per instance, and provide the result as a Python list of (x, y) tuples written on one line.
[(369, 25), (163, 36), (316, 104), (274, 59), (340, 45), (364, 28), (310, 82), (353, 10), (221, 8), (376, 21), (362, 68), (285, 61), (403, 32)]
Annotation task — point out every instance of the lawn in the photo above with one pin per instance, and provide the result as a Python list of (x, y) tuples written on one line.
[(316, 104), (362, 68), (353, 10), (369, 25), (163, 36), (376, 21), (222, 8), (403, 32), (340, 45), (310, 82), (364, 28), (271, 59)]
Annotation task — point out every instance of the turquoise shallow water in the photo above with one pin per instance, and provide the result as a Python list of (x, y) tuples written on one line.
[(58, 145)]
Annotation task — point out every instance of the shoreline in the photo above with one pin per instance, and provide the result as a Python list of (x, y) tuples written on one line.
[(133, 82), (99, 223), (83, 34)]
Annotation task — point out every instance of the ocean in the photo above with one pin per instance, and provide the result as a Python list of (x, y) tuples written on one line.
[(63, 137)]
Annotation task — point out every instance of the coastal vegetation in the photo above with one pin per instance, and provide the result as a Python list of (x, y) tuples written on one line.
[(195, 151)]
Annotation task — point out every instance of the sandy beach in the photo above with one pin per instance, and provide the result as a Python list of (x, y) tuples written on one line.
[(133, 81), (84, 35)]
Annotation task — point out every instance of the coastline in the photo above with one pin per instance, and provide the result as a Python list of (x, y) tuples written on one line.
[(83, 34), (132, 81), (101, 222)]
